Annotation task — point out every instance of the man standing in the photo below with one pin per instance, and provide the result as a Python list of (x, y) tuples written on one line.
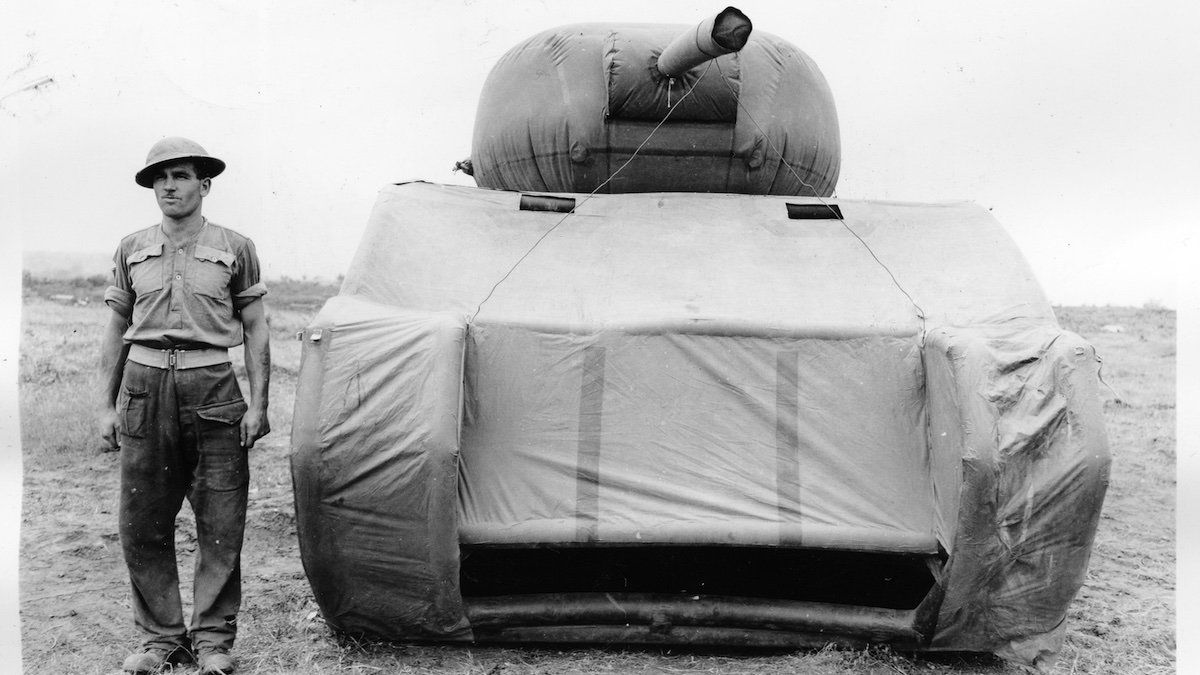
[(183, 292)]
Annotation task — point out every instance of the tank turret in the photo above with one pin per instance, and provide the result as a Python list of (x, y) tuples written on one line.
[(709, 108)]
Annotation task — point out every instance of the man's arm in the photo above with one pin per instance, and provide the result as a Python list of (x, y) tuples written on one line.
[(258, 371), (112, 366)]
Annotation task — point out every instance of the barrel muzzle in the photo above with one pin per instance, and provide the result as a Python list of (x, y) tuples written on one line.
[(725, 33)]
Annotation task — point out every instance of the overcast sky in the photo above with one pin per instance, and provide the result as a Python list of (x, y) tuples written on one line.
[(1074, 122)]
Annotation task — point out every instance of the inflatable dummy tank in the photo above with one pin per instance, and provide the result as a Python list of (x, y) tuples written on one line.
[(695, 407)]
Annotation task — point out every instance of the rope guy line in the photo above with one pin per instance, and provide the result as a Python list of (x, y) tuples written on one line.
[(838, 217), (670, 109)]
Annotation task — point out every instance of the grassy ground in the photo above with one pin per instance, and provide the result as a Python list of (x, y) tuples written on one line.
[(74, 596)]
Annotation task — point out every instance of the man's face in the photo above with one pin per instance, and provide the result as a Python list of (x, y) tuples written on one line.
[(178, 190)]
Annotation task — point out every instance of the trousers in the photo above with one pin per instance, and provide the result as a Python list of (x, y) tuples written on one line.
[(180, 438)]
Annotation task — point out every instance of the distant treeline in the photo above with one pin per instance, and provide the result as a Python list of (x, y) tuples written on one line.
[(284, 293)]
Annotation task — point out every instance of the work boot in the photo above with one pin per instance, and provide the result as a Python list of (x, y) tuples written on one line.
[(216, 662), (154, 659)]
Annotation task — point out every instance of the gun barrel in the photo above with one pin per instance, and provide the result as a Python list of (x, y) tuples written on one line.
[(725, 33)]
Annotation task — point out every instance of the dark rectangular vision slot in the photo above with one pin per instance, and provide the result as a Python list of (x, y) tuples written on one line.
[(814, 211), (547, 203), (887, 580)]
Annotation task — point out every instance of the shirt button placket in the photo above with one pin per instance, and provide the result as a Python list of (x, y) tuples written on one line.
[(176, 265)]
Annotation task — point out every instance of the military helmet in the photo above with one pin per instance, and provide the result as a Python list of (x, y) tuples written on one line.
[(173, 149)]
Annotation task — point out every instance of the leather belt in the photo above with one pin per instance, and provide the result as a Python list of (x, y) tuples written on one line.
[(177, 359)]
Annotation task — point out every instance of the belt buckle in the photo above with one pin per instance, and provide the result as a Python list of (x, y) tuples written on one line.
[(172, 358)]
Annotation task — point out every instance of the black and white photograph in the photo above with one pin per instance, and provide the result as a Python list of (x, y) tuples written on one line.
[(353, 336)]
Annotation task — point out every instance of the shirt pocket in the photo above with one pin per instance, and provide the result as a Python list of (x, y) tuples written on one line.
[(146, 269), (212, 271)]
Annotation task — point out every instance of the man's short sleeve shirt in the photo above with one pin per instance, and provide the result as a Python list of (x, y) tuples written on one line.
[(188, 295)]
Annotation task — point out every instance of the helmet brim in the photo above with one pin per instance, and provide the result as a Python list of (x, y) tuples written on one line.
[(204, 165)]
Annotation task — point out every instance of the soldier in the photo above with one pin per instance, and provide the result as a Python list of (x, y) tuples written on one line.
[(183, 292)]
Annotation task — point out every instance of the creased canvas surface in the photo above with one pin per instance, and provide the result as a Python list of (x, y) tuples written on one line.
[(695, 369)]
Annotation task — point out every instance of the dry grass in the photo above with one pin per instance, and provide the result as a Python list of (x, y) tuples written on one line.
[(75, 606), (1123, 620)]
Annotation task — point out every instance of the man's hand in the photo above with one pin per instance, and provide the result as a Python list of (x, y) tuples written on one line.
[(108, 421), (254, 427)]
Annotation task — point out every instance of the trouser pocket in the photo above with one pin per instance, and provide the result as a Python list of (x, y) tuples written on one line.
[(132, 407), (222, 459)]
